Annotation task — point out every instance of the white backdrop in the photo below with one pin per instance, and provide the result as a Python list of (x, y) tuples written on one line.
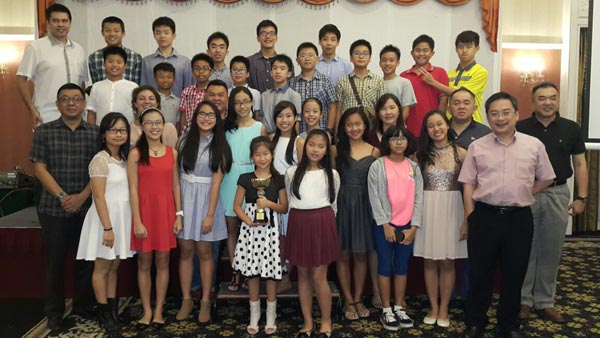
[(381, 22)]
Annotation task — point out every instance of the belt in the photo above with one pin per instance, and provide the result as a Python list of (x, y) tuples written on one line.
[(195, 179), (502, 210), (242, 163), (557, 183)]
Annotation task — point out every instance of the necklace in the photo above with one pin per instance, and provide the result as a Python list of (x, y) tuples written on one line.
[(442, 147), (155, 151)]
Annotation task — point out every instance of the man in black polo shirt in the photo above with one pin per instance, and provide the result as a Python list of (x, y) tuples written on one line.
[(463, 129), (61, 152), (564, 142)]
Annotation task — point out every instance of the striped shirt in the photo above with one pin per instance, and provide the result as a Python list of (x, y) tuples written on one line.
[(133, 69)]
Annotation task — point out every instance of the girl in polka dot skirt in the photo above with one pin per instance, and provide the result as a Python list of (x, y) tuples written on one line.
[(257, 251)]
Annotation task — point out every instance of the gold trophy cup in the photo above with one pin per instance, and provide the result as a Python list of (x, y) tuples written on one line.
[(260, 184)]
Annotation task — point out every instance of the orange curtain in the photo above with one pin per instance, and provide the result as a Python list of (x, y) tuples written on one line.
[(490, 10), (41, 16)]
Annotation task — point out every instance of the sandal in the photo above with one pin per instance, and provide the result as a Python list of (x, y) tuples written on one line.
[(234, 285), (271, 326), (244, 284), (376, 301), (362, 310), (303, 334), (252, 328), (350, 312)]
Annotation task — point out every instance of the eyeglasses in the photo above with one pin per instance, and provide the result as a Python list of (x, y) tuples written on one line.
[(265, 34), (496, 114), (239, 70), (210, 116), (306, 56), (361, 54), (398, 139), (74, 99), (244, 103), (202, 69), (122, 131), (153, 123)]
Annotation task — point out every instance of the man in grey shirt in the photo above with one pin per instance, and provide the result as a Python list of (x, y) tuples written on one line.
[(463, 128)]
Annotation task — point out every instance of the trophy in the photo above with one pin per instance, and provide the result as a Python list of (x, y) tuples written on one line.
[(260, 184)]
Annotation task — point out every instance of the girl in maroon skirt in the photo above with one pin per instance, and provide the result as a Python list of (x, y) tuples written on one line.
[(311, 242)]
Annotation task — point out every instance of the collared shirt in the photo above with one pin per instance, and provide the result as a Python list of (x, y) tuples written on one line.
[(255, 99), (504, 174), (319, 87), (335, 69), (271, 98), (222, 74), (369, 88), (473, 131), (50, 64), (67, 155), (428, 98), (133, 68), (183, 70), (169, 106), (190, 98), (562, 138), (260, 72), (403, 90), (109, 96), (474, 78)]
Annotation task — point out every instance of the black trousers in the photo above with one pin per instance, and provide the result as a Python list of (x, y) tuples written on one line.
[(61, 236), (497, 238)]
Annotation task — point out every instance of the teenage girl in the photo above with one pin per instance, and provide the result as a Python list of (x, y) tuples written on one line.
[(311, 242)]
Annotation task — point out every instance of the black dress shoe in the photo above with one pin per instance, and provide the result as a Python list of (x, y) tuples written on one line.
[(157, 325), (55, 323), (472, 332)]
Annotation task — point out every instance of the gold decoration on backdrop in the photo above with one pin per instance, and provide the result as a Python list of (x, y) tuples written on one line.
[(406, 2), (454, 2)]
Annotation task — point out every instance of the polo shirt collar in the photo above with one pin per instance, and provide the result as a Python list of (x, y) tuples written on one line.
[(540, 123), (59, 123), (158, 54), (369, 74), (336, 58), (429, 68), (54, 41), (467, 68), (282, 89)]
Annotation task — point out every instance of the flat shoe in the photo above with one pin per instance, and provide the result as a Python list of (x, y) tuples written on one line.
[(443, 322), (157, 325), (141, 326), (187, 305), (429, 320)]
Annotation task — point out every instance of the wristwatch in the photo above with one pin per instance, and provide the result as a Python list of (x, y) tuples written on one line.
[(179, 213), (61, 195), (581, 198)]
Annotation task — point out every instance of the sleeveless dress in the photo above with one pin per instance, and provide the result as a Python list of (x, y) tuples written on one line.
[(157, 207), (443, 211), (116, 195), (239, 142), (257, 252), (195, 198), (354, 218)]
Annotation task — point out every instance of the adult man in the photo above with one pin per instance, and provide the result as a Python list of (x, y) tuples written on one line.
[(501, 173), (463, 128), (49, 63), (61, 152), (563, 141), (218, 93)]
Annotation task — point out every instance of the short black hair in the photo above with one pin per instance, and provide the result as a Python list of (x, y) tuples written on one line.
[(203, 57), (542, 85), (361, 42), (163, 21), (165, 67), (329, 28), (467, 37), (390, 48), (114, 50), (264, 24), (113, 19), (285, 59), (306, 45), (217, 83), (217, 35), (58, 8), (69, 86), (394, 131), (424, 38), (240, 59), (462, 89), (501, 96)]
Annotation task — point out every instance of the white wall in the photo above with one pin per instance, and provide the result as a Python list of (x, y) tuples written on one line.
[(380, 22)]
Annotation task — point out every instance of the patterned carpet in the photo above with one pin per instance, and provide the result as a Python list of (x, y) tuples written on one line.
[(578, 298)]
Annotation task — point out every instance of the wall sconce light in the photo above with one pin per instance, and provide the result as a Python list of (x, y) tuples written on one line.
[(531, 68), (8, 54), (3, 70)]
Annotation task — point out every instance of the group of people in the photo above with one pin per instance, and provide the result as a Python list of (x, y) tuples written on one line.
[(335, 164)]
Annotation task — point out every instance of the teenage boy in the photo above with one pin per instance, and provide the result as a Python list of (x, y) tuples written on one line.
[(217, 48), (202, 66), (239, 67), (368, 87), (163, 29), (421, 75), (114, 93), (164, 75), (281, 71), (389, 60), (261, 62), (333, 66), (312, 83), (49, 63), (113, 31)]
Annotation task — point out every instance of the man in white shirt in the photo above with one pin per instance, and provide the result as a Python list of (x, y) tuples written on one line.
[(49, 63)]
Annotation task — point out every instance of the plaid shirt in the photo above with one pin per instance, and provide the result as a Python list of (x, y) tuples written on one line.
[(67, 155), (190, 98), (133, 69), (369, 88), (320, 87)]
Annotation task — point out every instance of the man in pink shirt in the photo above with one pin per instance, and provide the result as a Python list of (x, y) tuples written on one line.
[(501, 174)]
